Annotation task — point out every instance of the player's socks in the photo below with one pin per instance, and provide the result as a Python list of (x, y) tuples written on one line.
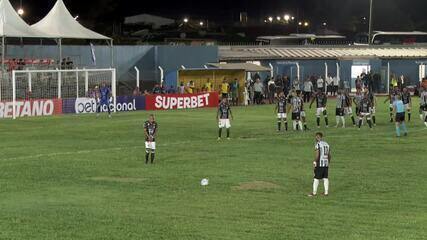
[(353, 120), (326, 185), (343, 121), (286, 125), (326, 120), (147, 155), (318, 121), (152, 157), (337, 120), (305, 127), (219, 133), (397, 131), (228, 133), (370, 123), (405, 130), (409, 116), (300, 125), (315, 186), (279, 125), (374, 119), (360, 123), (294, 124)]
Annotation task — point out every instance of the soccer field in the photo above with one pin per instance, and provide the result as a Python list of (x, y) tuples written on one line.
[(78, 177)]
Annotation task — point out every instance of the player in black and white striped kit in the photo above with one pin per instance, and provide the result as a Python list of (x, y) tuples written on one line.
[(296, 106), (281, 112), (340, 109), (423, 105), (321, 165)]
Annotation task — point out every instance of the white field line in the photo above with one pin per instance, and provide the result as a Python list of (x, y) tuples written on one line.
[(293, 137)]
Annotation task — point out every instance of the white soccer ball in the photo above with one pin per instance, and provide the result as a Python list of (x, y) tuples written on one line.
[(204, 182)]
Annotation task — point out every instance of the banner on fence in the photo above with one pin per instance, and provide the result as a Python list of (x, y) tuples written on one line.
[(31, 108), (181, 101), (89, 105)]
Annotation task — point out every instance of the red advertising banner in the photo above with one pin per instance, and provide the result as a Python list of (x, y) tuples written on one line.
[(181, 101), (31, 108)]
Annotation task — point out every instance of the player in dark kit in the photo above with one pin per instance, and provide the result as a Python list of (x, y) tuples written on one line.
[(423, 106), (223, 117), (365, 106), (392, 97), (150, 131), (373, 100), (104, 99), (407, 101), (321, 165), (281, 112), (321, 101)]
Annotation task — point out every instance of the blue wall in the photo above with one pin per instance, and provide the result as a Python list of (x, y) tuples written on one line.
[(146, 58)]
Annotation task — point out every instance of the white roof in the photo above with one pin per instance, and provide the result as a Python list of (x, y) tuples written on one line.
[(59, 23), (260, 53), (11, 24)]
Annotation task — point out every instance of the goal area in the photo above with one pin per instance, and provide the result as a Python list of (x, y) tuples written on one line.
[(42, 92)]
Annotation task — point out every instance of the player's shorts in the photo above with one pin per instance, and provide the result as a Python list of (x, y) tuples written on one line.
[(224, 95), (296, 116), (302, 114), (224, 123), (104, 102), (407, 107), (365, 114), (320, 111), (150, 145), (373, 110), (321, 172), (282, 116), (339, 112), (348, 111), (400, 117)]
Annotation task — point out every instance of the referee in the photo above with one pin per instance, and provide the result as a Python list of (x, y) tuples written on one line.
[(321, 165), (399, 110)]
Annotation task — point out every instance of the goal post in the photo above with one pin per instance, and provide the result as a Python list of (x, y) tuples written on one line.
[(29, 88)]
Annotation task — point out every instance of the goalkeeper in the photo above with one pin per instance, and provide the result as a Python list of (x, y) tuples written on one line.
[(104, 99)]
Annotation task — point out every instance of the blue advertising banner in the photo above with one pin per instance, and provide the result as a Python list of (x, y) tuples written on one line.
[(89, 105)]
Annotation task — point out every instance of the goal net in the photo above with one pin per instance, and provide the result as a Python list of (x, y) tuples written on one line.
[(48, 92)]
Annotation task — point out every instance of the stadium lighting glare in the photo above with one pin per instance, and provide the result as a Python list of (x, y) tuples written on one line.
[(324, 24), (300, 23), (185, 20), (278, 18), (202, 23), (21, 11), (306, 24), (292, 18), (270, 19), (287, 17)]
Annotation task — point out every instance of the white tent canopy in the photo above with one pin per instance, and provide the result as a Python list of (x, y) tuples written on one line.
[(59, 23), (12, 25)]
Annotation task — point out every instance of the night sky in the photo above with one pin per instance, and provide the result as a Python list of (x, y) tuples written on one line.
[(389, 14)]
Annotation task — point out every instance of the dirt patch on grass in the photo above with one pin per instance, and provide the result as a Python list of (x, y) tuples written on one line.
[(256, 185), (117, 179)]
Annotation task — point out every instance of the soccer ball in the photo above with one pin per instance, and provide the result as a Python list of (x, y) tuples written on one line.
[(204, 182)]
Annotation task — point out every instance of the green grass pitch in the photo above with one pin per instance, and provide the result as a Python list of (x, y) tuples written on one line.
[(78, 177)]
